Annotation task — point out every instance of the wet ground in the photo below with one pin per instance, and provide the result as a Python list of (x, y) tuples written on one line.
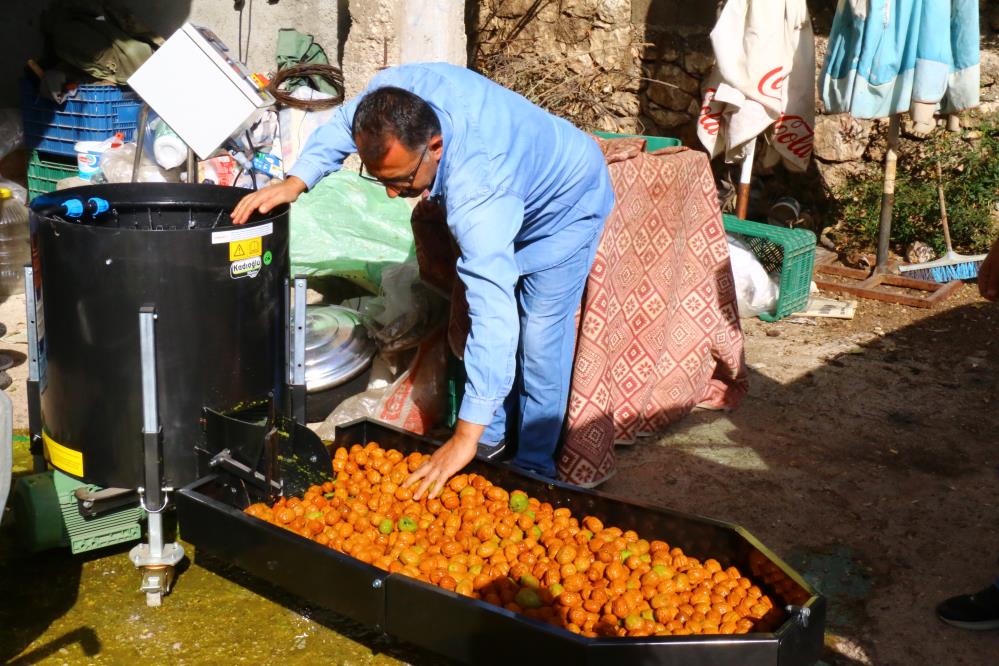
[(866, 455), (58, 608)]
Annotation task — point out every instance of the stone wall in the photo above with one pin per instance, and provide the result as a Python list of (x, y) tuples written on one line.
[(578, 58), (641, 64)]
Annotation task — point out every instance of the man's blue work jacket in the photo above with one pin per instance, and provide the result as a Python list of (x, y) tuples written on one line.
[(523, 191)]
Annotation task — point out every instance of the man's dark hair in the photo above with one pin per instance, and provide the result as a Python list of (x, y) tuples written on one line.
[(389, 112)]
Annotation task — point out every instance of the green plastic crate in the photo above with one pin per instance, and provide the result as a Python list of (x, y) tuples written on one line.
[(790, 251), (652, 143), (44, 173)]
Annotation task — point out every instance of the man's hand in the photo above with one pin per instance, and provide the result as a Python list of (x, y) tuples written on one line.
[(988, 274), (266, 199), (447, 461)]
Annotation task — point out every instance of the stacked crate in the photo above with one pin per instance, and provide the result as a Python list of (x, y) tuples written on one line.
[(95, 113)]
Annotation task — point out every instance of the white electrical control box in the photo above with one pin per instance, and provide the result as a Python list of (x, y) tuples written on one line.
[(196, 85)]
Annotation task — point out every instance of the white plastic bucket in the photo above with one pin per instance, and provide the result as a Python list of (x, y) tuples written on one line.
[(88, 157)]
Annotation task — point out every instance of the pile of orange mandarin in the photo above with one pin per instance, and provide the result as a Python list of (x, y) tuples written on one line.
[(513, 551)]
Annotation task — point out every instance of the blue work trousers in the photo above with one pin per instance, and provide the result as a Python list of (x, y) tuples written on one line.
[(534, 411)]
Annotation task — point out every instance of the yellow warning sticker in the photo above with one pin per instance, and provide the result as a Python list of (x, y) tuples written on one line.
[(63, 457), (244, 249)]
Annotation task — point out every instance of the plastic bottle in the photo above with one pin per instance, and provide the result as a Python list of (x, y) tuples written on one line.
[(169, 150), (15, 244)]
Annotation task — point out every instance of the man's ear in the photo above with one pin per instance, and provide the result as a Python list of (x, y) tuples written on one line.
[(436, 146)]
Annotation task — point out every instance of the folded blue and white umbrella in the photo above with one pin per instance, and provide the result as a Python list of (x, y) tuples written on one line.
[(886, 55)]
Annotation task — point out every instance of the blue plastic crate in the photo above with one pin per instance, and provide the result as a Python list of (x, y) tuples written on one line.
[(89, 97), (96, 112), (121, 116), (63, 146), (43, 131)]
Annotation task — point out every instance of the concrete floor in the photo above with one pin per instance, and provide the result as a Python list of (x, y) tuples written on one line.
[(865, 456)]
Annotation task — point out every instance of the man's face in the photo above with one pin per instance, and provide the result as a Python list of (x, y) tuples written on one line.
[(404, 172)]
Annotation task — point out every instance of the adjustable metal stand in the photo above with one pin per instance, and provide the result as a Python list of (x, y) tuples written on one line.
[(873, 285), (156, 559), (33, 313), (296, 370)]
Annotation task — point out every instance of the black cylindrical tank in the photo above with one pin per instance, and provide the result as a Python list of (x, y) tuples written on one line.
[(220, 298)]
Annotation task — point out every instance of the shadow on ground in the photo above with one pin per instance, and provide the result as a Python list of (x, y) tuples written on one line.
[(873, 475)]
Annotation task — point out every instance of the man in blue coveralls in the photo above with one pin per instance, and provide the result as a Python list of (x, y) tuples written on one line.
[(526, 195)]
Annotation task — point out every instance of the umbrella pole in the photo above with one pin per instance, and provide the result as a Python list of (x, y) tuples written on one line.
[(873, 286), (745, 175), (887, 195)]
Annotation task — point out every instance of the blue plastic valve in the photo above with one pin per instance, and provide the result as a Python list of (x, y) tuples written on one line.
[(96, 206), (73, 207)]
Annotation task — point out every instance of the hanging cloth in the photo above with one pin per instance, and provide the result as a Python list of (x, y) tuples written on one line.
[(763, 81), (886, 55)]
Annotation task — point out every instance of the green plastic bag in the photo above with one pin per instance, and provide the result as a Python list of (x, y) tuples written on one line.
[(348, 227)]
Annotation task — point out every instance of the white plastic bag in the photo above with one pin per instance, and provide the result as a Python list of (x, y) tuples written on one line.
[(755, 291), (297, 125), (11, 131), (116, 165)]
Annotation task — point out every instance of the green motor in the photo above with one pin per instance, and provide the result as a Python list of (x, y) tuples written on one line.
[(46, 516)]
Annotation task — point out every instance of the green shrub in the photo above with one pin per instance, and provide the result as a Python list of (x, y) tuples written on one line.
[(970, 164)]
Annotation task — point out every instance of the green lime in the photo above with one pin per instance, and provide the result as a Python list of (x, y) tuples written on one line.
[(536, 531), (632, 622), (312, 515), (518, 501), (407, 524), (625, 554), (385, 527), (527, 598), (527, 580)]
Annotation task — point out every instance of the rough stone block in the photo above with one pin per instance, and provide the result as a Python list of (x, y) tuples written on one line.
[(668, 96), (841, 137)]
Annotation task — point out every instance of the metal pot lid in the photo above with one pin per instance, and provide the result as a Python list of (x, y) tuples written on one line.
[(337, 346)]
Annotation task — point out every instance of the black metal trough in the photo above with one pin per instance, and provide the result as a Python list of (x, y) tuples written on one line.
[(472, 631)]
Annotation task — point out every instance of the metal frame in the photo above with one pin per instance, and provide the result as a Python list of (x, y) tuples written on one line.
[(472, 631), (870, 286), (296, 355), (156, 558), (31, 303)]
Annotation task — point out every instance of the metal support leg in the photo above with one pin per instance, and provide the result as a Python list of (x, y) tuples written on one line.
[(140, 141), (745, 178), (35, 340), (156, 559), (297, 355)]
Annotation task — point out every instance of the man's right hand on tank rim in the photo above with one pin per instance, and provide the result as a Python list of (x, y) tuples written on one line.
[(266, 199)]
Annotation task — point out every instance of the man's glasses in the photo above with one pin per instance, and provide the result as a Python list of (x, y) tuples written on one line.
[(400, 183)]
